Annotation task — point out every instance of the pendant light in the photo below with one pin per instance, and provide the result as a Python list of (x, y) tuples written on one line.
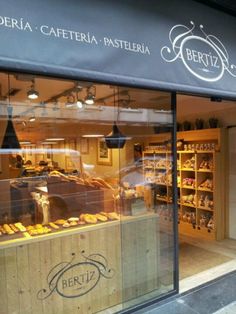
[(10, 139), (115, 139)]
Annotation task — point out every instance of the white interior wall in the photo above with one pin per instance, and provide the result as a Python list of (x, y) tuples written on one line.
[(232, 183)]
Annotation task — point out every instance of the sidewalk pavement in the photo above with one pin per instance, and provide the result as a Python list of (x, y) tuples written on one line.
[(216, 297)]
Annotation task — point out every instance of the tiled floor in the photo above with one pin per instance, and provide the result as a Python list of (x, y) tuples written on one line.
[(225, 247)]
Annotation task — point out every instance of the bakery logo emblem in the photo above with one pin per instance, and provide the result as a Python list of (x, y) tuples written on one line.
[(73, 280), (204, 56)]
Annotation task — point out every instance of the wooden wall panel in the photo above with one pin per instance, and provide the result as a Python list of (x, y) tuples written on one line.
[(105, 266)]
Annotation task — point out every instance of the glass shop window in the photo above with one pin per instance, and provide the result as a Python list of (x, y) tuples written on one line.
[(96, 160)]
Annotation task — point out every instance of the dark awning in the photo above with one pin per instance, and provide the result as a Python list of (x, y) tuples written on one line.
[(174, 45)]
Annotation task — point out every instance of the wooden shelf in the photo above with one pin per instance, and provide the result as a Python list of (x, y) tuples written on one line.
[(162, 199), (214, 158), (188, 187), (188, 205), (205, 170), (205, 208), (205, 190)]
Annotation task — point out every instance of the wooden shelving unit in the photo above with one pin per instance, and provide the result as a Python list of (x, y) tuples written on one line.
[(201, 188)]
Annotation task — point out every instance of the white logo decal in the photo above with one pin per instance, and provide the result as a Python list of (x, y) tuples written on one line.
[(204, 56)]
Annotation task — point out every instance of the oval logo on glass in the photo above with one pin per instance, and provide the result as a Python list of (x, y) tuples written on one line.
[(78, 280)]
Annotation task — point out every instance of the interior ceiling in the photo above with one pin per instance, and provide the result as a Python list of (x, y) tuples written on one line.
[(228, 6), (60, 124), (51, 90), (53, 117)]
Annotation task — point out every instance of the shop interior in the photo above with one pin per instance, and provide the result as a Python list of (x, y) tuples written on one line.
[(78, 154), (206, 224)]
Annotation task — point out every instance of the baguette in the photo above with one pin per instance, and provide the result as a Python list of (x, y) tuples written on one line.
[(104, 183), (97, 184)]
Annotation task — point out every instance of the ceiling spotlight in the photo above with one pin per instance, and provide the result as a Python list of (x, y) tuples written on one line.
[(79, 103), (32, 93), (91, 92), (32, 119)]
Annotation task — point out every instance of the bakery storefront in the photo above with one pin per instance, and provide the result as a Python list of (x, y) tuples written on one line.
[(92, 183)]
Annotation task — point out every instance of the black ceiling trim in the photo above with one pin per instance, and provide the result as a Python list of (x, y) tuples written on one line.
[(222, 6)]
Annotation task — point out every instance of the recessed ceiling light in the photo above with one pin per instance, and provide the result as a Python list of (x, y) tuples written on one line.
[(49, 143), (25, 143), (92, 135), (55, 139)]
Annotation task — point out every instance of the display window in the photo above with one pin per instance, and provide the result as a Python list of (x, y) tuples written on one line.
[(86, 195)]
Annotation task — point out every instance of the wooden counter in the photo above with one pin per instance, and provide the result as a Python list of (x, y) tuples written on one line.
[(82, 270)]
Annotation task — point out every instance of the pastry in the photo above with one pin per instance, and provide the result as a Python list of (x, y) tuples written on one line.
[(104, 214), (19, 226), (73, 219), (113, 216), (13, 227), (60, 221), (81, 217), (40, 230), (66, 225), (33, 232), (73, 223), (8, 229), (54, 226), (38, 226), (80, 222), (2, 230), (46, 230), (101, 217), (90, 219), (28, 228)]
